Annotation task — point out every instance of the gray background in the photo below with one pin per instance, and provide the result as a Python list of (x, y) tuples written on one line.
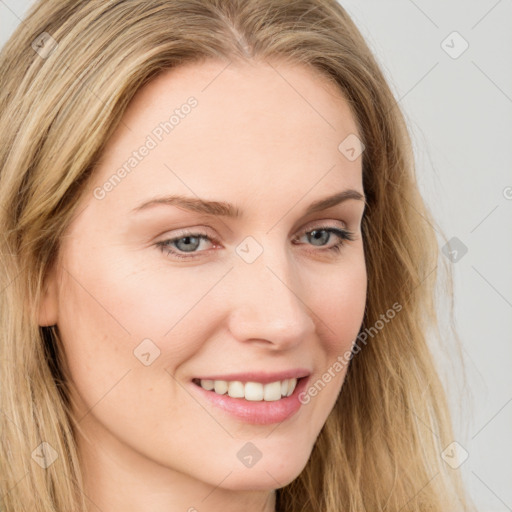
[(459, 110)]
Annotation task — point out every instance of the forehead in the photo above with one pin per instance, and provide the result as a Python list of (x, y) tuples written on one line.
[(255, 129)]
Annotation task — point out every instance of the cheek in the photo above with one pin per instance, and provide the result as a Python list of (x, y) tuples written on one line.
[(94, 337), (110, 304), (104, 316), (340, 304)]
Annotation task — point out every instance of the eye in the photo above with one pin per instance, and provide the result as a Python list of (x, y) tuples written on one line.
[(186, 243), (185, 246), (322, 234)]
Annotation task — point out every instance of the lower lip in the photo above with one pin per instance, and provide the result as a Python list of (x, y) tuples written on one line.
[(261, 412)]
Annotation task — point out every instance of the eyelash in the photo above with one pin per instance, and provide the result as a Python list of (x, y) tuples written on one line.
[(343, 234)]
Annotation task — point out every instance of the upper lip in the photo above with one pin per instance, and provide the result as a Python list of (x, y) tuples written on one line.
[(263, 377)]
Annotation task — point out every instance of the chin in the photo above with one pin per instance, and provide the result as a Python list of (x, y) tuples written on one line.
[(264, 477)]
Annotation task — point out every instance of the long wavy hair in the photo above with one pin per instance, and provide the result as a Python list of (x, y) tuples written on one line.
[(68, 73)]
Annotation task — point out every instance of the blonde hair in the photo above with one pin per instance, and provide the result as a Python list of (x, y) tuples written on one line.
[(63, 93)]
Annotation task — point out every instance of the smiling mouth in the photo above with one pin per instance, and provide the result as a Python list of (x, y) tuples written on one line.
[(251, 391)]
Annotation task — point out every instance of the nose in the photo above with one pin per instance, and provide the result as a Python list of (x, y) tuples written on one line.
[(268, 303)]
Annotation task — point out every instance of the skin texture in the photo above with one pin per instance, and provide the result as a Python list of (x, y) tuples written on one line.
[(265, 138)]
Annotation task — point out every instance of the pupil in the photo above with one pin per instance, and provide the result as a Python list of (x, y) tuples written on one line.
[(188, 247), (316, 234)]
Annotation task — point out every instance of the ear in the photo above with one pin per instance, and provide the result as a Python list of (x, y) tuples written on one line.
[(48, 307)]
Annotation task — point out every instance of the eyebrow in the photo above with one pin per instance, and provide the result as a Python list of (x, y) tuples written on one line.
[(224, 209)]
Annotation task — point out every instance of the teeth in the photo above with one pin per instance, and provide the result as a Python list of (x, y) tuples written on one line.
[(272, 391), (291, 386), (220, 386), (252, 391), (207, 384), (236, 389)]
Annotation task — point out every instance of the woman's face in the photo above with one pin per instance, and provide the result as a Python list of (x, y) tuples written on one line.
[(262, 292)]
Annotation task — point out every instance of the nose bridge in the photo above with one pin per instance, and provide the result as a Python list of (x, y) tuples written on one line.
[(266, 301)]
